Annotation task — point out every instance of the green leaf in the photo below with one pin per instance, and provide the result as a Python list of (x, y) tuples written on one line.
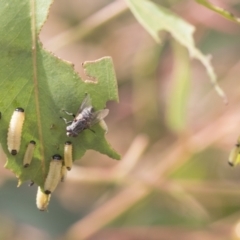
[(179, 91), (44, 85), (219, 10), (155, 18)]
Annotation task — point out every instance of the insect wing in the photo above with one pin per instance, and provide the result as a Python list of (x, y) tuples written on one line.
[(99, 115), (86, 103)]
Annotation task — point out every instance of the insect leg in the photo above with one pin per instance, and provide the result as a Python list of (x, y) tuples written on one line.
[(91, 130), (65, 120), (68, 113)]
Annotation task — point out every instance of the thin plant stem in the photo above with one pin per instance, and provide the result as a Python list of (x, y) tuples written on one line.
[(89, 25)]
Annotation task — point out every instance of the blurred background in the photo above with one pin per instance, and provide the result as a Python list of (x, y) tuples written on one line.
[(173, 131)]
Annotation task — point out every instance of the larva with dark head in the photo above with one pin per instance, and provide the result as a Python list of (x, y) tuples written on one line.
[(42, 200), (29, 153), (68, 155), (54, 174), (15, 131)]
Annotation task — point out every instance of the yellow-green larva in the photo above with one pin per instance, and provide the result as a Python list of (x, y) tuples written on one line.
[(234, 156), (68, 155), (42, 200), (54, 174), (15, 131), (104, 126), (63, 173), (29, 153)]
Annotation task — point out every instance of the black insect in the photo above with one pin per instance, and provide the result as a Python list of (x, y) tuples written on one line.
[(85, 118)]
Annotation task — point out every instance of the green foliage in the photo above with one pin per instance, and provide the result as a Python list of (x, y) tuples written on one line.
[(155, 18), (219, 10), (42, 84)]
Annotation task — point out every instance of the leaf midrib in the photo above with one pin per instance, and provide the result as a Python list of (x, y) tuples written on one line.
[(35, 80)]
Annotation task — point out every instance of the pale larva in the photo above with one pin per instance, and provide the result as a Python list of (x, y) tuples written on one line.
[(104, 126), (54, 174), (63, 173), (42, 200), (68, 155), (29, 153), (15, 131)]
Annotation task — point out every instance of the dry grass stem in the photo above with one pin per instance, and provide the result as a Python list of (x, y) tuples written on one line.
[(86, 27)]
